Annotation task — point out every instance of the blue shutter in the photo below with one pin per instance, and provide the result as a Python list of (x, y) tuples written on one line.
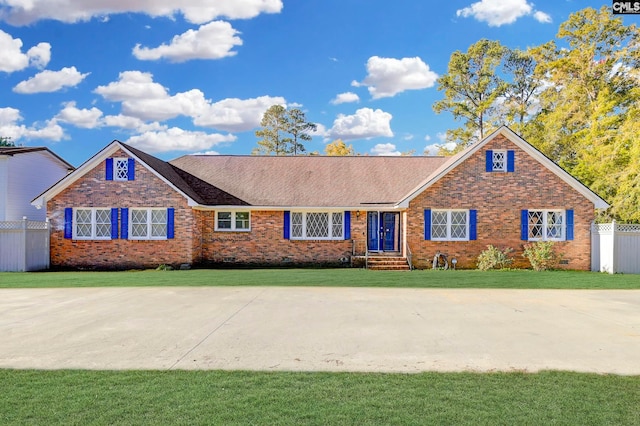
[(131, 169), (524, 225), (347, 225), (473, 225), (124, 223), (427, 224), (287, 221), (109, 168), (489, 160), (170, 227), (511, 161), (569, 234), (114, 224), (68, 222)]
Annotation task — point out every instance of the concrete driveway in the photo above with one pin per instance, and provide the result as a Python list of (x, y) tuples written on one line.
[(320, 329)]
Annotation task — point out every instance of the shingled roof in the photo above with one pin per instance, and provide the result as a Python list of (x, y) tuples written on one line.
[(312, 181), (198, 190), (17, 150)]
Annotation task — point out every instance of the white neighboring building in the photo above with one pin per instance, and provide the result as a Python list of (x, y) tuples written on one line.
[(25, 173)]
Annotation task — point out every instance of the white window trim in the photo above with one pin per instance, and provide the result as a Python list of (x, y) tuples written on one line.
[(448, 237), (115, 168), (149, 224), (504, 161), (304, 237), (93, 224), (545, 212), (233, 222)]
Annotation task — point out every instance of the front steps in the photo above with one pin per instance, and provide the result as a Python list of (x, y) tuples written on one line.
[(388, 263)]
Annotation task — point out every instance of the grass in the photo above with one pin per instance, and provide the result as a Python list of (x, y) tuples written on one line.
[(218, 397), (521, 279)]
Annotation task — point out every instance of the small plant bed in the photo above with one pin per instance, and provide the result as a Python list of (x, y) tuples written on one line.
[(516, 279), (219, 397)]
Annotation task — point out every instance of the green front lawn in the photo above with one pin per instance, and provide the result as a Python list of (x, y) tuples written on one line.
[(325, 277), (224, 398)]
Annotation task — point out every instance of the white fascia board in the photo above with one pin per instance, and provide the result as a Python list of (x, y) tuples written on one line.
[(297, 208)]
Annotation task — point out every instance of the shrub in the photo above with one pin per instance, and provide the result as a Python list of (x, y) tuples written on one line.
[(542, 255), (494, 258)]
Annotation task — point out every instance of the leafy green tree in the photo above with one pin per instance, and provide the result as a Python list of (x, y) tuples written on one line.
[(339, 148), (520, 92), (283, 131), (590, 97), (6, 141), (298, 128), (274, 128), (471, 88)]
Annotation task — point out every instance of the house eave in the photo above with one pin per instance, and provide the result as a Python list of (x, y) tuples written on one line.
[(376, 207)]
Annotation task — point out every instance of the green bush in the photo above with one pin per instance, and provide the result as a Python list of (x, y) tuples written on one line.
[(494, 258), (542, 255)]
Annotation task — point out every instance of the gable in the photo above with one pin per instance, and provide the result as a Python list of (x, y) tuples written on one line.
[(116, 157), (525, 156)]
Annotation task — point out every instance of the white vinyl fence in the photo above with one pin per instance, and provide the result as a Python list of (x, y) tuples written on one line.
[(615, 248), (24, 245)]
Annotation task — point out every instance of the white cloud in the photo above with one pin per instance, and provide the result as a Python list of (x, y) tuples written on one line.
[(214, 40), (23, 12), (432, 149), (236, 115), (365, 123), (188, 104), (9, 127), (132, 123), (50, 81), (206, 153), (542, 17), (11, 56), (388, 76), (85, 118), (385, 149), (176, 139), (142, 98), (501, 12), (344, 98), (132, 85)]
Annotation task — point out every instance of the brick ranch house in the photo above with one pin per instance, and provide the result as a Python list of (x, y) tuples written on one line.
[(124, 208)]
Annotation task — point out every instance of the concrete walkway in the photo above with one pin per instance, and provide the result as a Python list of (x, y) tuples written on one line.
[(320, 329)]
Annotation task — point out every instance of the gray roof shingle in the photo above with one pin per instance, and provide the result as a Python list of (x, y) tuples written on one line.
[(312, 181)]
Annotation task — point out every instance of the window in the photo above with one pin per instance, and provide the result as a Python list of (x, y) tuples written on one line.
[(450, 225), (499, 161), (147, 224), (121, 169), (546, 225), (317, 225), (233, 221), (92, 224)]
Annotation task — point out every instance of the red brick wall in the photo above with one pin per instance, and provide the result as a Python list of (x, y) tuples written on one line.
[(265, 244), (147, 190), (499, 198)]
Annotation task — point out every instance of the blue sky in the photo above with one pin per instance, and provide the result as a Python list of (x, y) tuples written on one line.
[(173, 80)]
